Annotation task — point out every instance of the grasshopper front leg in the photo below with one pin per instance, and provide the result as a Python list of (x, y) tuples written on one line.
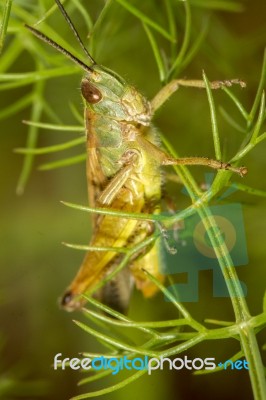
[(164, 95), (119, 180), (204, 161), (164, 159), (167, 91)]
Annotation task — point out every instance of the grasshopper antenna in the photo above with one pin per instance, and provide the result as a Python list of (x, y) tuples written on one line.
[(46, 39), (70, 23)]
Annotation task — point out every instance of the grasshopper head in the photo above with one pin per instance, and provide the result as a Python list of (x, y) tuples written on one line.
[(107, 94), (104, 92)]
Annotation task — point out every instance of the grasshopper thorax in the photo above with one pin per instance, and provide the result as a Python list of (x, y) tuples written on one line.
[(106, 93)]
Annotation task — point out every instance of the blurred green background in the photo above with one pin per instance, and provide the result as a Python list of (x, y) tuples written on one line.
[(36, 268)]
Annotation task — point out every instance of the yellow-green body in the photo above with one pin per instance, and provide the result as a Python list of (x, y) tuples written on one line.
[(123, 171), (123, 176)]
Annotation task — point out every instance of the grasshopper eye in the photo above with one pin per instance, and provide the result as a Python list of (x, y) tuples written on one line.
[(90, 92)]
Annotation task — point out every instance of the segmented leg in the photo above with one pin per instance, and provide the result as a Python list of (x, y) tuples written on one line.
[(167, 91), (164, 159)]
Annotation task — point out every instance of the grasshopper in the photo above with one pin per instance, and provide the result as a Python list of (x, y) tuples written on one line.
[(124, 159)]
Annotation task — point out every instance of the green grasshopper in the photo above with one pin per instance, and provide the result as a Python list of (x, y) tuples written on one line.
[(124, 159)]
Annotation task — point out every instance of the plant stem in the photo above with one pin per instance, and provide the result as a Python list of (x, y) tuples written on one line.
[(246, 332)]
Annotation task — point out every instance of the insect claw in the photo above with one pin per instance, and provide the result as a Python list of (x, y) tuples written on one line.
[(168, 241), (243, 171)]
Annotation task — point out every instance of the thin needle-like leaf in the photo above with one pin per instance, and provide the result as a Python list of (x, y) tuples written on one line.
[(215, 132), (156, 52), (51, 149), (32, 138), (63, 163), (145, 19), (53, 127), (4, 22), (259, 91)]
